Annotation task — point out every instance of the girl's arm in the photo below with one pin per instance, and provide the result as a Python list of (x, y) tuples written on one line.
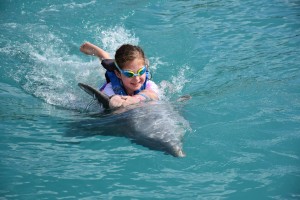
[(123, 101), (144, 95), (93, 50), (148, 94)]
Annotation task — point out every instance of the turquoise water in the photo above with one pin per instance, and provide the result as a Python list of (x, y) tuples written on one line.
[(239, 60)]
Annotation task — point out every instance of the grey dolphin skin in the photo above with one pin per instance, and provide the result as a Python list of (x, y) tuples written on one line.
[(156, 125)]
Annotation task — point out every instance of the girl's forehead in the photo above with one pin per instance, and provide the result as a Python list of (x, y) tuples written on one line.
[(136, 63)]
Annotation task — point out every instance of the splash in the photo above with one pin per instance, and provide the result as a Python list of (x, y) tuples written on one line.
[(48, 70), (175, 85), (113, 38), (51, 73)]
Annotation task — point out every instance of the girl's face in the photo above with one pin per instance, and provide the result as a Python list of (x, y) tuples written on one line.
[(134, 83)]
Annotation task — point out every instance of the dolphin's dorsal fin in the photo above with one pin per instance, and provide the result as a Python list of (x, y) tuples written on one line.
[(100, 96)]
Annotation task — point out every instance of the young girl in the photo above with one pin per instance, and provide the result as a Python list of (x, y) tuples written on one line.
[(130, 83)]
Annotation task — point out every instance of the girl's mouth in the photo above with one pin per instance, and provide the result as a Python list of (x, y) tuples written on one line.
[(135, 84)]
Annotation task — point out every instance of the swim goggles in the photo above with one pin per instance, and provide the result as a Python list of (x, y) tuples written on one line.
[(130, 73)]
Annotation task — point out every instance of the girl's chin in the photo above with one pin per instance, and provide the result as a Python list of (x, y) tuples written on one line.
[(136, 87)]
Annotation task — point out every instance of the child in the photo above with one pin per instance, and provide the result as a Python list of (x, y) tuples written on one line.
[(129, 81)]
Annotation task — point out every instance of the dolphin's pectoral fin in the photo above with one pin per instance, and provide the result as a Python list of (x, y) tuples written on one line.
[(100, 96)]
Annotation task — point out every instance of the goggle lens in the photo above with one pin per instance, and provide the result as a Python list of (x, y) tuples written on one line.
[(130, 74)]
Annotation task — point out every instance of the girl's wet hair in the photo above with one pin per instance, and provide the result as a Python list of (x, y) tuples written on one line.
[(127, 53)]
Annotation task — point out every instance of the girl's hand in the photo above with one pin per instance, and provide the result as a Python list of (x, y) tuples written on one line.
[(116, 101), (93, 50), (128, 100), (122, 101), (88, 48)]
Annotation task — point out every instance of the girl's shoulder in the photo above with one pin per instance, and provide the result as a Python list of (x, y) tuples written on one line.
[(150, 83), (107, 89), (152, 86)]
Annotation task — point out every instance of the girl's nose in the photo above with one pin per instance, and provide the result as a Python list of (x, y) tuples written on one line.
[(136, 78)]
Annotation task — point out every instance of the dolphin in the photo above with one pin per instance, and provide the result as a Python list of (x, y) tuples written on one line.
[(154, 124)]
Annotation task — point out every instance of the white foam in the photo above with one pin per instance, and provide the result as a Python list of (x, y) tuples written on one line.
[(71, 5), (49, 72), (175, 85), (113, 38), (78, 5)]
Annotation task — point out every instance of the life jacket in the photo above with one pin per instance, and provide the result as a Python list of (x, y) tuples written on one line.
[(117, 85)]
